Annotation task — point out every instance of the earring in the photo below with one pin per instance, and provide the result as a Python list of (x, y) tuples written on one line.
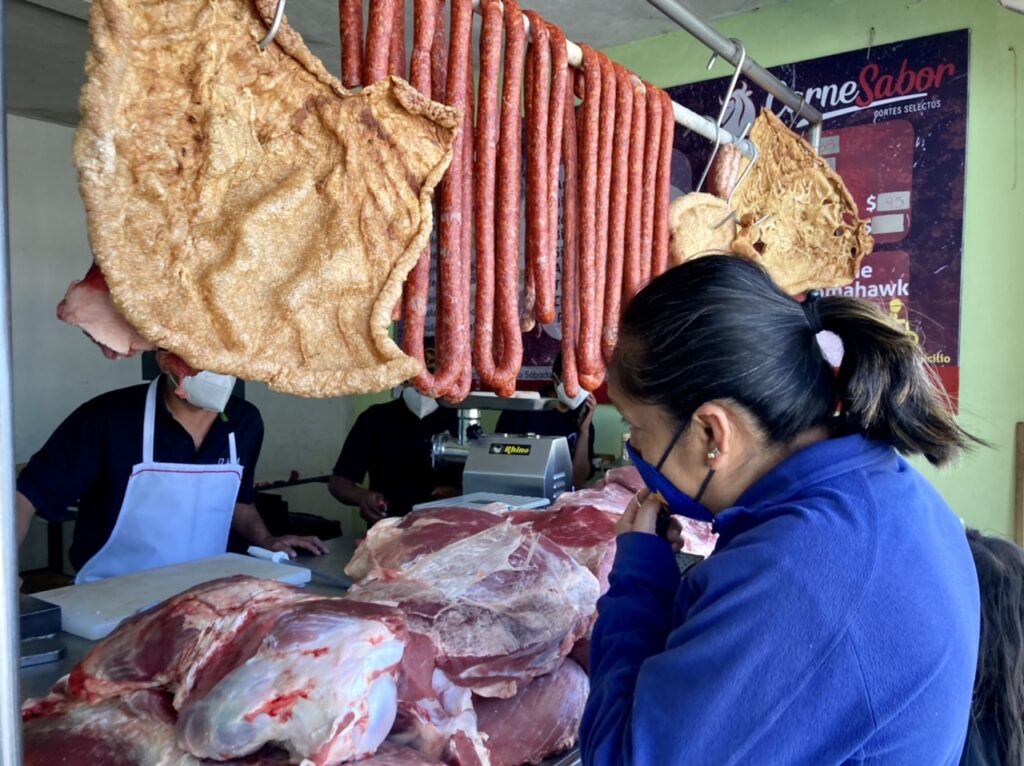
[(714, 453)]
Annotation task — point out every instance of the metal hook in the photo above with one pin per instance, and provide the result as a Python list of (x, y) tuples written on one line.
[(799, 109), (725, 106), (276, 25), (746, 171)]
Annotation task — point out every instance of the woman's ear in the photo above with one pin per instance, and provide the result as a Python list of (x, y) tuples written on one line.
[(715, 427)]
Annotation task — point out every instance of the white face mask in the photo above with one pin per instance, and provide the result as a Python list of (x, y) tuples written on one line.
[(571, 402), (418, 404), (208, 390)]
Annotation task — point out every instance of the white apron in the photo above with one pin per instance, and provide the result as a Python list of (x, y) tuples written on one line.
[(171, 513)]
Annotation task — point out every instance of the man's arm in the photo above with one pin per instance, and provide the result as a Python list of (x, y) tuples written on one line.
[(247, 522), (582, 467), (373, 506), (25, 511)]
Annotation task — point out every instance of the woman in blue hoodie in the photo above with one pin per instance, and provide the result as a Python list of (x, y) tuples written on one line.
[(837, 620)]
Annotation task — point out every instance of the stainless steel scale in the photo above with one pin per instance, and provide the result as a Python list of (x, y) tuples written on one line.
[(520, 470)]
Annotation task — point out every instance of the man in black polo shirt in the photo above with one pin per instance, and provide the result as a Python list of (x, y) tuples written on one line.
[(157, 479), (392, 442)]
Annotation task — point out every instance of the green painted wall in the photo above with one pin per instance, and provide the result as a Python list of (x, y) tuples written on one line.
[(992, 350)]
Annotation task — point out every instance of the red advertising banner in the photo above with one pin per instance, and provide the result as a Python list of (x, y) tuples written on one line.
[(895, 130)]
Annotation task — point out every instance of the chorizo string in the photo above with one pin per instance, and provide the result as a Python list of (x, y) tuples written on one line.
[(619, 204)]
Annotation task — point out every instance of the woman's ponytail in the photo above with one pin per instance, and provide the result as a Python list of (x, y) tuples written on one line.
[(886, 388), (719, 328)]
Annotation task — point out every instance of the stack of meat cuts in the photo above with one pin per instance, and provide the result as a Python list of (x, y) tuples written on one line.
[(490, 606), (454, 644), (231, 666)]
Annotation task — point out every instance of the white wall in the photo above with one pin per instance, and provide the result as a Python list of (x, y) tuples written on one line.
[(56, 368)]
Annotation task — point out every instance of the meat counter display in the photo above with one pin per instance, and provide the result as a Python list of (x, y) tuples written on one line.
[(463, 641)]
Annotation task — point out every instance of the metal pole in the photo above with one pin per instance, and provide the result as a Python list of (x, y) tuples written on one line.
[(688, 119), (10, 718), (727, 49)]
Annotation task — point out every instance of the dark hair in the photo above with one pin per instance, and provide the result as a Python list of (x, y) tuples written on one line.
[(719, 328), (999, 683)]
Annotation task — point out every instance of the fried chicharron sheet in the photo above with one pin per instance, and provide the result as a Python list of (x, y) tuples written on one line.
[(810, 234), (248, 213), (699, 224)]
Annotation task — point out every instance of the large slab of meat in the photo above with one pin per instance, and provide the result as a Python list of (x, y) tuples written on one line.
[(251, 663), (584, 532), (134, 730), (617, 489), (321, 683), (541, 719), (87, 305), (502, 605), (491, 605), (168, 647), (396, 543), (248, 213)]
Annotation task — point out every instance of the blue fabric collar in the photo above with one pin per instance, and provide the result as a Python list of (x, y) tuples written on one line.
[(810, 466)]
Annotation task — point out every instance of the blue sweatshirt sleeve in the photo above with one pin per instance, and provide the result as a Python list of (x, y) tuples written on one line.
[(712, 678), (635, 619)]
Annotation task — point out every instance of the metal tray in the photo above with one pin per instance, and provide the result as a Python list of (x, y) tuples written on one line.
[(483, 401)]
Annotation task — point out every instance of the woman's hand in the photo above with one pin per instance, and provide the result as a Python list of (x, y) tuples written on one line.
[(640, 515)]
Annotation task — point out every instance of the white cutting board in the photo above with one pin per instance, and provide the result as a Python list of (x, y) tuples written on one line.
[(94, 609)]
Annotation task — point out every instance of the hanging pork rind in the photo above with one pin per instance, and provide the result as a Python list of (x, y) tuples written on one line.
[(797, 218), (249, 214), (699, 224)]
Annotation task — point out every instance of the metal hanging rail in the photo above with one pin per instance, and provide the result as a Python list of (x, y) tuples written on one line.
[(685, 117), (688, 119), (728, 49), (731, 52)]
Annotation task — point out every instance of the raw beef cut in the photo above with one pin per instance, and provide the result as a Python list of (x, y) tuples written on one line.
[(695, 537), (584, 532), (252, 661), (134, 730), (581, 653), (542, 719), (607, 495), (617, 489), (168, 646), (321, 683), (87, 305), (501, 606), (396, 542), (439, 722), (625, 475)]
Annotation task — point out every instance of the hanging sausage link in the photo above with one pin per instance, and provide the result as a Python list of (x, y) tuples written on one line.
[(350, 20), (378, 40), (546, 313), (609, 83), (589, 345), (614, 285), (663, 185), (417, 286), (654, 109), (635, 206), (570, 247)]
